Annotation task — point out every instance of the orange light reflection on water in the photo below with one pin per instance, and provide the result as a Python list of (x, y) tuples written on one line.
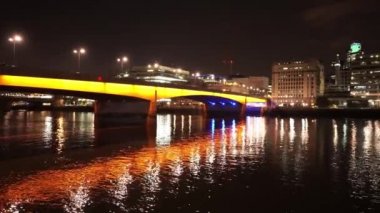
[(75, 184)]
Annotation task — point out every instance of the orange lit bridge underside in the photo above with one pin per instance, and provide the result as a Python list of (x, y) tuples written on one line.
[(146, 92)]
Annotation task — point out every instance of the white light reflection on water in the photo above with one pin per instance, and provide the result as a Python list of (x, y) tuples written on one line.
[(120, 193), (344, 139), (223, 144), (150, 186), (60, 135), (78, 199), (182, 125), (305, 131), (163, 130), (14, 207), (233, 140), (194, 162), (256, 133), (292, 132), (177, 169), (376, 140), (190, 126), (368, 133), (335, 133), (174, 127), (209, 164), (363, 171), (161, 174), (250, 128), (353, 139), (212, 128), (282, 130), (48, 131)]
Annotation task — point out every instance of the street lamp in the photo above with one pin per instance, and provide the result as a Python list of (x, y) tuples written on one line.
[(80, 51), (122, 60), (15, 39)]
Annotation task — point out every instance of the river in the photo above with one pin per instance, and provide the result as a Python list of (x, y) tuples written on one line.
[(73, 162)]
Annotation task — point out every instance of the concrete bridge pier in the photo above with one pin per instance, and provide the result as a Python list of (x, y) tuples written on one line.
[(5, 106), (58, 101), (124, 110)]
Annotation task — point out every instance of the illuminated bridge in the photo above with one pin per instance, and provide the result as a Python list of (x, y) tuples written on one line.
[(129, 98)]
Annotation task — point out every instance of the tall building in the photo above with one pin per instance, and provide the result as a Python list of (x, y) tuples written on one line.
[(297, 83), (358, 75), (364, 71)]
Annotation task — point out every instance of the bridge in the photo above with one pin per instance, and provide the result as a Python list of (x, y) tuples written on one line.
[(129, 98)]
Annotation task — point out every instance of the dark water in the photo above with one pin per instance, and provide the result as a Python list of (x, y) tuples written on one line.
[(71, 162)]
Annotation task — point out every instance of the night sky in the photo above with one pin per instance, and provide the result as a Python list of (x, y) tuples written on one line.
[(194, 35)]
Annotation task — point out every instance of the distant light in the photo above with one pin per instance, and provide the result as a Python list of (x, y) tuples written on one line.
[(17, 38), (156, 65), (256, 104), (125, 59), (355, 47), (149, 66), (164, 100), (79, 51), (222, 103)]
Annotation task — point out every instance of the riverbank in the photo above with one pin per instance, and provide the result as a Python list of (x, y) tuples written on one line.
[(323, 112)]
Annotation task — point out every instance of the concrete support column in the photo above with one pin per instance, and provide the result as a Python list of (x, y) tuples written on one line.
[(5, 106), (58, 101), (152, 111), (243, 109), (117, 109)]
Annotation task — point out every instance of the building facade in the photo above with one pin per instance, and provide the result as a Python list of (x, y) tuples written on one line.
[(157, 73), (256, 85), (364, 73), (297, 83), (358, 75)]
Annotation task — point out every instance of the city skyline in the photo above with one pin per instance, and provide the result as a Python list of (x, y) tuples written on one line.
[(193, 36)]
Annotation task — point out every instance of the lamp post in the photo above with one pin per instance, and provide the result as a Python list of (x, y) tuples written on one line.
[(15, 39), (80, 51), (122, 60)]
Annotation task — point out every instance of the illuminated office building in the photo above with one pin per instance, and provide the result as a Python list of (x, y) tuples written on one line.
[(359, 75), (297, 83)]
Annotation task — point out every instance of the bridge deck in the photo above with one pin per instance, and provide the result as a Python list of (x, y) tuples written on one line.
[(146, 92)]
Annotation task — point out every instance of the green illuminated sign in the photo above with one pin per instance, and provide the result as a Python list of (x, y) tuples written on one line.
[(355, 47)]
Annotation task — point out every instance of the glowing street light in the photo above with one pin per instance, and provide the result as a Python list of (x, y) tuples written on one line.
[(122, 60), (15, 39), (80, 51)]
